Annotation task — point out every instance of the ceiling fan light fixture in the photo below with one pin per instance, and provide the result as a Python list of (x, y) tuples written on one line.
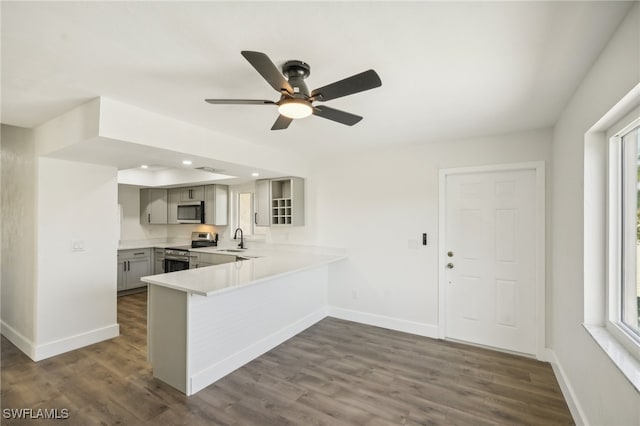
[(295, 108)]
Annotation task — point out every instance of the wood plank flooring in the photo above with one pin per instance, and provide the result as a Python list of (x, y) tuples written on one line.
[(336, 372)]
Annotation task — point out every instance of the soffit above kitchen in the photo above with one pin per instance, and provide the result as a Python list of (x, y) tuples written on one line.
[(111, 133), (449, 70)]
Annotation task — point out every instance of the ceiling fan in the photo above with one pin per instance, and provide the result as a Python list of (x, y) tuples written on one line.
[(295, 99)]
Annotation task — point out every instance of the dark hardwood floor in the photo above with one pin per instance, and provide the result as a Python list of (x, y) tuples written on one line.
[(336, 372)]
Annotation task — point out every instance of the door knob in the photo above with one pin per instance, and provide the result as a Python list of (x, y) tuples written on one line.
[(450, 265)]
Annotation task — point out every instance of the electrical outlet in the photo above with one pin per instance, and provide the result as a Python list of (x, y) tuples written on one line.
[(77, 245), (354, 294)]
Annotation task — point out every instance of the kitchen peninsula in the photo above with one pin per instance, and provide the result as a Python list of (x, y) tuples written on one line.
[(204, 323)]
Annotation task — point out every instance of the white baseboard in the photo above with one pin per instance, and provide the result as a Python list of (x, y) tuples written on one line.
[(21, 342), (67, 344), (397, 324), (546, 355), (567, 390), (204, 378)]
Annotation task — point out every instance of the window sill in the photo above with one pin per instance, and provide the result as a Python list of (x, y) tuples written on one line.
[(621, 357)]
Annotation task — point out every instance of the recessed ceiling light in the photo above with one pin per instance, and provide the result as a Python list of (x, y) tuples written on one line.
[(144, 166), (255, 174), (187, 162)]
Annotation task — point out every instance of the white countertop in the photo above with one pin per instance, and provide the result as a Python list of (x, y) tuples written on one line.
[(267, 263)]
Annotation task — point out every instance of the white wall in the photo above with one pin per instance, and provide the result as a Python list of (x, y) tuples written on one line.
[(76, 291), (375, 204), (600, 390), (18, 236)]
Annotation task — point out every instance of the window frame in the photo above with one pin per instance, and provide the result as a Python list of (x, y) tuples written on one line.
[(251, 230), (614, 323)]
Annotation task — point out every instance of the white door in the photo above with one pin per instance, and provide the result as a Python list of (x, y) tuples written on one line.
[(490, 253)]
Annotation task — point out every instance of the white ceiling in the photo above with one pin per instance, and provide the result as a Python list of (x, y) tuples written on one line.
[(449, 70)]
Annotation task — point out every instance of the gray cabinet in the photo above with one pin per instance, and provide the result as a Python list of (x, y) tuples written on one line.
[(133, 265), (153, 206), (122, 267), (200, 260), (216, 205), (173, 198), (192, 193), (280, 202), (160, 206), (263, 202), (158, 261)]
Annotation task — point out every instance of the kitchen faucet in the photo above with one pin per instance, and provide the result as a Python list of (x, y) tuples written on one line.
[(235, 237)]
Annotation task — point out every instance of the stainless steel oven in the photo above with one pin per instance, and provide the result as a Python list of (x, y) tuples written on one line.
[(176, 259)]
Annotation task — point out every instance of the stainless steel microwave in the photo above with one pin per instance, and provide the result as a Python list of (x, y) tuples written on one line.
[(192, 212)]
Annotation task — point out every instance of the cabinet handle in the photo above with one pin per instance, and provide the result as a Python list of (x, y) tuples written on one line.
[(149, 217), (255, 218), (140, 252), (124, 266)]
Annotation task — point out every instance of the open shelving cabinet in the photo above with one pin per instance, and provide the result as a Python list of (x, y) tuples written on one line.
[(286, 201)]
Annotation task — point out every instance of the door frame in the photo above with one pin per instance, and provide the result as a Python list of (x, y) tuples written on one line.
[(540, 243)]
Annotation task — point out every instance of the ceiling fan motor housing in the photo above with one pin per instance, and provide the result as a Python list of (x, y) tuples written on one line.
[(296, 72)]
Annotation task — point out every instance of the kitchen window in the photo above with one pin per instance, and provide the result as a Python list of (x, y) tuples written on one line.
[(245, 212)]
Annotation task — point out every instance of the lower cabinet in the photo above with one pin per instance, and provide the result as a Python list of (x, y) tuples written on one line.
[(200, 260), (133, 265), (158, 261)]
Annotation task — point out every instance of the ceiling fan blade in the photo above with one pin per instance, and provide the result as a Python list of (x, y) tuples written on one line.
[(281, 123), (239, 102), (336, 115), (348, 86), (267, 70)]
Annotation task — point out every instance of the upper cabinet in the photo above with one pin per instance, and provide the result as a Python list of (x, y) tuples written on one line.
[(280, 202), (216, 205), (192, 193), (153, 206), (173, 198), (161, 205), (263, 202)]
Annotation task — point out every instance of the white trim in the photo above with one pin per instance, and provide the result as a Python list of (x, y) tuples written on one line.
[(569, 394), (70, 343), (15, 337), (397, 324), (540, 250), (612, 345), (204, 378), (615, 250)]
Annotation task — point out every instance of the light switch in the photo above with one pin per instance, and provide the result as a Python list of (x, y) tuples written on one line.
[(77, 245)]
